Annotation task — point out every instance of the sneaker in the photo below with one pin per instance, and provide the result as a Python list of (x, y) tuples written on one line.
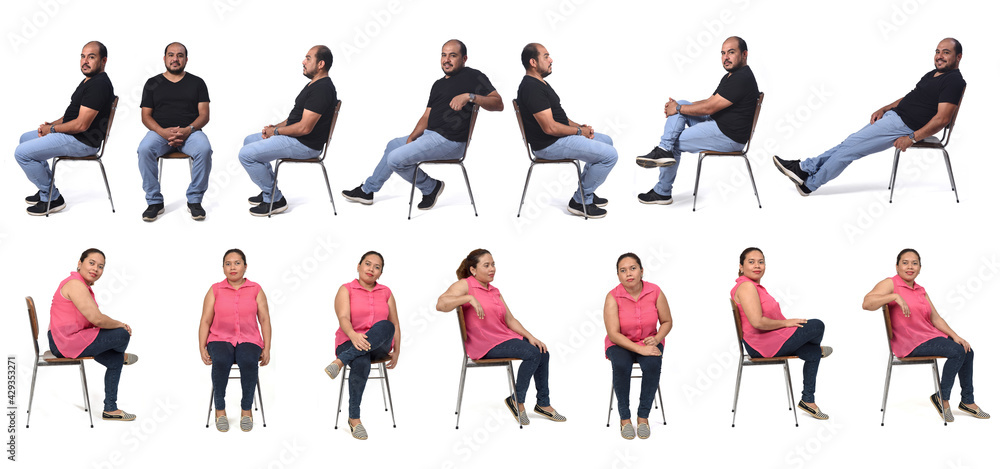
[(599, 201), (360, 196), (39, 208), (429, 200), (652, 197), (264, 208), (791, 169), (593, 211), (656, 158), (33, 199), (152, 212), (803, 190), (196, 211), (257, 199)]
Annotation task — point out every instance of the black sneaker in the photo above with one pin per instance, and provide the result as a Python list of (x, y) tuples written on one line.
[(197, 213), (656, 158), (429, 200), (39, 208), (257, 199), (599, 201), (791, 169), (33, 199), (593, 211), (152, 212), (803, 190), (261, 210), (652, 197), (360, 196)]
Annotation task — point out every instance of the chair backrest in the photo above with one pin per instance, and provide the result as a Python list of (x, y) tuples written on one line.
[(951, 124), (753, 127), (333, 125), (107, 131), (520, 125), (33, 319), (888, 326), (739, 326), (472, 125), (461, 328)]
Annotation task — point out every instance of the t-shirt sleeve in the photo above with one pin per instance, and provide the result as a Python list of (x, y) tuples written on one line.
[(320, 100), (735, 89), (952, 92), (147, 93), (483, 85), (202, 91), (535, 100), (96, 97)]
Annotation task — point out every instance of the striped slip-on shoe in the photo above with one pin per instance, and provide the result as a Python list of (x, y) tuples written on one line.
[(826, 351), (358, 431), (512, 407), (332, 370), (246, 423), (222, 423), (628, 431), (815, 413), (124, 416), (131, 358), (643, 431), (553, 416), (977, 413), (944, 413)]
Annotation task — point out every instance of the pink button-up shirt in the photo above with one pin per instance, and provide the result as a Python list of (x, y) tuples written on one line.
[(484, 334), (767, 343), (235, 318), (367, 308), (637, 319), (71, 331), (909, 332)]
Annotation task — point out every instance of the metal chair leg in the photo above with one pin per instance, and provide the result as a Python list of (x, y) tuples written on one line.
[(260, 397), (31, 395), (392, 411), (461, 388), (107, 186), (52, 184), (892, 179), (611, 404), (885, 391), (583, 197), (513, 392), (340, 398), (381, 383), (190, 168), (937, 387), (469, 187), (736, 393), (523, 193), (752, 182), (86, 395), (83, 388), (159, 170), (211, 400), (328, 189), (274, 188), (413, 190), (788, 382), (951, 175), (663, 413), (697, 179)]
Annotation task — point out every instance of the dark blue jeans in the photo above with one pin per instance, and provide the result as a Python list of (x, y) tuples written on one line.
[(621, 378), (959, 362), (224, 355), (804, 343), (533, 363), (108, 349), (380, 338)]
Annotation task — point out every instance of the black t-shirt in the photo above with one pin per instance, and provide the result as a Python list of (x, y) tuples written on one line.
[(919, 106), (451, 124), (740, 88), (533, 96), (174, 104), (319, 97), (96, 93)]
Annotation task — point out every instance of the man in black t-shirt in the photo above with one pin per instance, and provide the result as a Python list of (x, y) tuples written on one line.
[(175, 109), (301, 136), (923, 112), (79, 132), (440, 134), (723, 122)]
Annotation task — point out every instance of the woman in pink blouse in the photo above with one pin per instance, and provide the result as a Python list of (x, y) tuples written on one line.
[(637, 317), (493, 332), (229, 334), (766, 332), (369, 330), (77, 328), (919, 331)]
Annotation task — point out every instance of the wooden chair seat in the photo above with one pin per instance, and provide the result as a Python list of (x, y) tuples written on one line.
[(50, 357), (487, 361)]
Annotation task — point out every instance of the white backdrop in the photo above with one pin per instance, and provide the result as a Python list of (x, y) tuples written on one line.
[(824, 67)]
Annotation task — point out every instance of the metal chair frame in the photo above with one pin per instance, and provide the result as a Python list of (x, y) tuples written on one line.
[(319, 160), (95, 157), (460, 162), (739, 154), (175, 155), (932, 143), (659, 393), (256, 399), (484, 363), (383, 377), (536, 160), (746, 360), (894, 361)]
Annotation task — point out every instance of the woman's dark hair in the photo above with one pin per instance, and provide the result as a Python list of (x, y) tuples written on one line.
[(469, 262), (380, 259), (899, 256), (627, 255), (745, 253), (91, 251), (237, 251)]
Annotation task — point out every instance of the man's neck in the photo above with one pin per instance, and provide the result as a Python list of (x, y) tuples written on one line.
[(319, 76), (174, 77), (534, 74)]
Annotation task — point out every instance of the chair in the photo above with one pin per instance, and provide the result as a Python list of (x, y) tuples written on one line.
[(483, 363), (741, 154), (175, 155), (95, 157), (659, 392), (319, 160), (746, 360), (932, 143), (383, 377), (49, 359), (258, 398), (535, 160), (895, 361), (459, 162)]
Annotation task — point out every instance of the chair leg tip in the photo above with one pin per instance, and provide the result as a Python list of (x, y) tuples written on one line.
[(393, 425), (883, 424), (734, 425), (456, 427)]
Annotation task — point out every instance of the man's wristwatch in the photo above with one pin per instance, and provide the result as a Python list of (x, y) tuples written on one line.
[(678, 108), (913, 138), (52, 129), (192, 128), (472, 98), (579, 131), (276, 131)]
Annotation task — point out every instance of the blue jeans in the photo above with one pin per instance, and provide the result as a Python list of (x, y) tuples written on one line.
[(154, 146), (872, 138), (224, 355), (533, 363), (959, 362), (108, 349), (692, 134), (258, 153), (804, 343), (400, 157), (621, 378), (380, 338), (34, 151), (598, 154)]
